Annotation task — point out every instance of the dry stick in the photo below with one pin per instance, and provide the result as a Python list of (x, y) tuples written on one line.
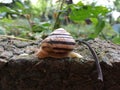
[(22, 39), (100, 75), (57, 18), (28, 18)]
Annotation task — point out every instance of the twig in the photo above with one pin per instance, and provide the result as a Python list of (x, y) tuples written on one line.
[(99, 70), (57, 18), (23, 39), (28, 18)]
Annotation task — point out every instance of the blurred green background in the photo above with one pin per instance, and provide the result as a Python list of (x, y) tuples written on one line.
[(35, 19)]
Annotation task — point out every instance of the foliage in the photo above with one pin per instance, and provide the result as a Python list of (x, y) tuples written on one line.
[(13, 10), (19, 19), (98, 28), (117, 4), (80, 12), (33, 22)]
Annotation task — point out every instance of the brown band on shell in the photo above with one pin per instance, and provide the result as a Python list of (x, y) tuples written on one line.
[(61, 42), (57, 53), (58, 48), (55, 47), (66, 49)]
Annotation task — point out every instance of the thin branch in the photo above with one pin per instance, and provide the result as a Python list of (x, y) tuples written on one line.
[(22, 39), (57, 18)]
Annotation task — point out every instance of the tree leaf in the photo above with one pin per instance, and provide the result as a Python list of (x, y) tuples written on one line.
[(98, 28), (116, 40), (81, 12), (6, 9)]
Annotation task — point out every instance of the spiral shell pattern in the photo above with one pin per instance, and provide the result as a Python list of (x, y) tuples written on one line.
[(58, 44)]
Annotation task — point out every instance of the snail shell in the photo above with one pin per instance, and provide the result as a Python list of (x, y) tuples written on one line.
[(58, 44)]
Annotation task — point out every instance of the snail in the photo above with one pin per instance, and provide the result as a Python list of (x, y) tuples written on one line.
[(59, 44)]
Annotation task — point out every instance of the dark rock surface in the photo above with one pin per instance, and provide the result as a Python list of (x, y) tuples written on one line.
[(20, 69)]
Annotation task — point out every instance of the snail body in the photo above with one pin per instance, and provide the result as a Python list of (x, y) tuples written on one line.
[(58, 44)]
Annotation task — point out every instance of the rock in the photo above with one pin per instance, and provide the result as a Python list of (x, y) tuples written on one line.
[(1, 49), (18, 51), (20, 44), (30, 49), (6, 54), (20, 69)]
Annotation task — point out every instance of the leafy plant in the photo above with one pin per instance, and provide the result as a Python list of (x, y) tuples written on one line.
[(32, 22), (12, 10), (83, 12), (98, 28), (80, 12)]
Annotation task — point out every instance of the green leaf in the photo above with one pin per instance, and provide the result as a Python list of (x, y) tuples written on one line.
[(82, 12), (98, 28), (6, 9), (6, 20), (45, 24), (94, 20), (19, 5), (24, 27), (116, 40)]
